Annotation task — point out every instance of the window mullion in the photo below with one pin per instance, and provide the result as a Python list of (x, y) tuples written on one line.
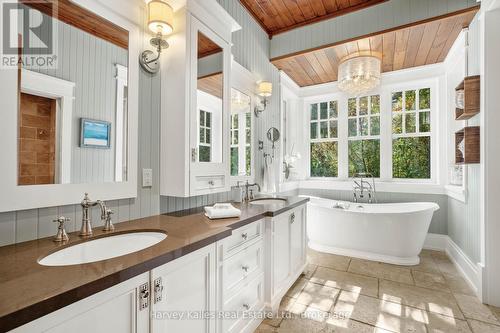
[(385, 135), (342, 123), (241, 143)]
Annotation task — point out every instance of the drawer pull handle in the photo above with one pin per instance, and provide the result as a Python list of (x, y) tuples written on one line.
[(245, 268), (246, 306), (244, 236), (211, 183), (292, 218)]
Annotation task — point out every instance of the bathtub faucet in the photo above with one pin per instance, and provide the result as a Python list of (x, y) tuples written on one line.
[(363, 186)]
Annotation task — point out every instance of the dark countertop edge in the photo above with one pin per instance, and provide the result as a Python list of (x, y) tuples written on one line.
[(300, 202), (37, 310)]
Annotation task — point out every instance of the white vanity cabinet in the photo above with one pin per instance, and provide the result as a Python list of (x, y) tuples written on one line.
[(240, 279), (183, 294), (285, 246), (195, 101), (117, 309), (220, 288)]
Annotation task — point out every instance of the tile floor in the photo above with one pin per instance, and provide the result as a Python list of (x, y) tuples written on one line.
[(342, 294)]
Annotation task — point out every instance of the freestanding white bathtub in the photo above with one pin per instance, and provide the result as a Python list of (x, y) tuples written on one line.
[(392, 233)]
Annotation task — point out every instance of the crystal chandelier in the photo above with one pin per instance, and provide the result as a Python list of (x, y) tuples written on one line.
[(359, 75)]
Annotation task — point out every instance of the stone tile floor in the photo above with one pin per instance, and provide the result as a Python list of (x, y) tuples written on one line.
[(342, 294)]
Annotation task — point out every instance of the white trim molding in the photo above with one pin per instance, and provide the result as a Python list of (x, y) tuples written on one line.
[(472, 273), (121, 117)]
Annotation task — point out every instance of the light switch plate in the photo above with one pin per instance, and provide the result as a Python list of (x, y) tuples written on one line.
[(147, 177)]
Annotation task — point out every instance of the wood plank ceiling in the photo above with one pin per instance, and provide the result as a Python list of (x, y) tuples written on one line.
[(206, 47), (277, 16), (424, 43), (81, 18), (211, 84)]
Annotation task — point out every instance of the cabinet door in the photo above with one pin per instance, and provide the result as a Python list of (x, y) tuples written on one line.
[(188, 294), (112, 310), (210, 109), (281, 251), (297, 237)]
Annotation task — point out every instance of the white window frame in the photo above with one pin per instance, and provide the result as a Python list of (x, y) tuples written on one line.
[(417, 111), (242, 144), (319, 139), (384, 91), (369, 115), (205, 128)]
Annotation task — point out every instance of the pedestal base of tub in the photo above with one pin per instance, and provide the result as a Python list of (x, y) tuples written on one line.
[(410, 261)]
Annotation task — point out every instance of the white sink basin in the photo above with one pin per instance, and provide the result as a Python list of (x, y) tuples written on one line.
[(272, 201), (103, 248)]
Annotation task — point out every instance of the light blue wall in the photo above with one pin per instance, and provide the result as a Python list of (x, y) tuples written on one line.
[(89, 62), (464, 218)]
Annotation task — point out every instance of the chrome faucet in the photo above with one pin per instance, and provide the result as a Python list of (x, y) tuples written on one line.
[(86, 229), (248, 194), (363, 186)]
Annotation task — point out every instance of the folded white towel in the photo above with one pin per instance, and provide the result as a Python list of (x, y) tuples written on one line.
[(222, 211)]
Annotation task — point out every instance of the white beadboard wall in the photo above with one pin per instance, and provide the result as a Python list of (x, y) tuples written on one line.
[(81, 57), (251, 50), (464, 218), (376, 18), (31, 224)]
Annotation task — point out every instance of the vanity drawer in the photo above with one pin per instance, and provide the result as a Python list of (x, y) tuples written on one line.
[(209, 182), (241, 237), (249, 298), (244, 265)]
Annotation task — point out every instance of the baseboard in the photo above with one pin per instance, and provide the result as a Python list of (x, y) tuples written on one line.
[(472, 273)]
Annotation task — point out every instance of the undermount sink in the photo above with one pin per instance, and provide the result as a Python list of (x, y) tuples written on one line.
[(103, 248), (268, 201)]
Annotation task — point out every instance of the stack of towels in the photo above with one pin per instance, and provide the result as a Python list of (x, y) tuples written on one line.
[(222, 211)]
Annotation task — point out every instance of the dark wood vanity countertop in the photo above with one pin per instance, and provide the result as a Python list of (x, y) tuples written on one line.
[(29, 290)]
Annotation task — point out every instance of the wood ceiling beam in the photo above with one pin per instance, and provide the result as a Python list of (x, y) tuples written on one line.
[(81, 18), (474, 9)]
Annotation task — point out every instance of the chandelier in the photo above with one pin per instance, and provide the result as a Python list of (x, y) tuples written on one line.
[(359, 75)]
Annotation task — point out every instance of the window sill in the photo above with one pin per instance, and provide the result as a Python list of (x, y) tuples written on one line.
[(289, 185), (456, 192), (410, 186)]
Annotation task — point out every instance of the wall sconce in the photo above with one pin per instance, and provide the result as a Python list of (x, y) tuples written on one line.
[(264, 90), (160, 22)]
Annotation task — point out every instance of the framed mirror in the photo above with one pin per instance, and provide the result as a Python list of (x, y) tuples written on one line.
[(242, 127), (210, 95), (72, 115), (240, 134)]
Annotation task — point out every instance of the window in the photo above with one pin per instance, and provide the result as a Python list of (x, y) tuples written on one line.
[(205, 138), (324, 139), (241, 134), (411, 127), (363, 117)]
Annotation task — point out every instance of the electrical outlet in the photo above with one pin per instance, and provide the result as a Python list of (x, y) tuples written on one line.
[(147, 177)]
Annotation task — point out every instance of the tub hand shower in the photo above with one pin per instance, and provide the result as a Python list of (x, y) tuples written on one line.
[(363, 185)]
